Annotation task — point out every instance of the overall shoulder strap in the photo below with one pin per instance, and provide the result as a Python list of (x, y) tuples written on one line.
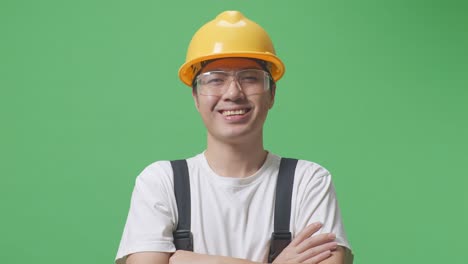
[(281, 236), (183, 239)]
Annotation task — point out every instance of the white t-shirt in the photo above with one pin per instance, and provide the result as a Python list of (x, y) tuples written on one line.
[(229, 216)]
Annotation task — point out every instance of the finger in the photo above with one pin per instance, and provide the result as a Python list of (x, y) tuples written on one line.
[(306, 233), (312, 252), (319, 257), (315, 241)]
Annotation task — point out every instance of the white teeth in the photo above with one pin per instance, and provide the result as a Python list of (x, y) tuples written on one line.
[(234, 112)]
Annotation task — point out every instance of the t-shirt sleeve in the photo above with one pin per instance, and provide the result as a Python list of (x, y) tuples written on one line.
[(152, 215), (317, 202)]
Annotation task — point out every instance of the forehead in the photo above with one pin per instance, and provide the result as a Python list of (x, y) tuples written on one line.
[(231, 64)]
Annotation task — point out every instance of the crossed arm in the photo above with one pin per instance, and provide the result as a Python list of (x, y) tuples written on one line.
[(305, 248)]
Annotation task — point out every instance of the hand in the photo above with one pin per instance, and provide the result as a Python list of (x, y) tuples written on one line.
[(306, 248)]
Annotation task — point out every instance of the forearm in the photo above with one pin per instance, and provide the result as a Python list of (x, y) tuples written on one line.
[(148, 258), (341, 255), (229, 260), (187, 257)]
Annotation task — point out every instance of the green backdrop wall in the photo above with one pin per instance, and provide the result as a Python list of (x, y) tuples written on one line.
[(376, 91)]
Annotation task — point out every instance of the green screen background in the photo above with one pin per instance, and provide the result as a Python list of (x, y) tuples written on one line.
[(375, 91)]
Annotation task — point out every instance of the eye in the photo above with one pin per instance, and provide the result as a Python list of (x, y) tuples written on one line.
[(214, 79), (249, 77)]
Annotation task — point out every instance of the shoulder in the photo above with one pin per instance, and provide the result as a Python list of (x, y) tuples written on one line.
[(155, 172), (154, 182), (313, 181), (310, 176), (311, 170), (161, 173), (307, 171)]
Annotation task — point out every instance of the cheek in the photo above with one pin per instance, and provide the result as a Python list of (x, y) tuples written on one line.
[(206, 105), (265, 105)]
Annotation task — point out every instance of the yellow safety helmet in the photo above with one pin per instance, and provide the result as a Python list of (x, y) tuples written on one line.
[(230, 34)]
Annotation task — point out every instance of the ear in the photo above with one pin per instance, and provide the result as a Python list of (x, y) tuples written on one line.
[(272, 93), (195, 99)]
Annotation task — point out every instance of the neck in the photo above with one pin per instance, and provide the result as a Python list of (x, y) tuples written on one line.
[(235, 160)]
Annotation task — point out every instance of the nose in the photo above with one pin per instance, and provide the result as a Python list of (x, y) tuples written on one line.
[(234, 91)]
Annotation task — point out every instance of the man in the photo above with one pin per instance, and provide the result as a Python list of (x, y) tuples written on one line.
[(232, 68)]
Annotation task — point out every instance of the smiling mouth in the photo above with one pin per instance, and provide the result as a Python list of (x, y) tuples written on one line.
[(234, 112)]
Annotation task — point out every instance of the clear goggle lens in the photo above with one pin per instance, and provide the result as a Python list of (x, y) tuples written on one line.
[(251, 81)]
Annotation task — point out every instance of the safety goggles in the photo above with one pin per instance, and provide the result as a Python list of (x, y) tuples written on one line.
[(250, 81)]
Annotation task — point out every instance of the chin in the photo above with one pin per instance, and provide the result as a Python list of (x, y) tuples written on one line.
[(236, 136)]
